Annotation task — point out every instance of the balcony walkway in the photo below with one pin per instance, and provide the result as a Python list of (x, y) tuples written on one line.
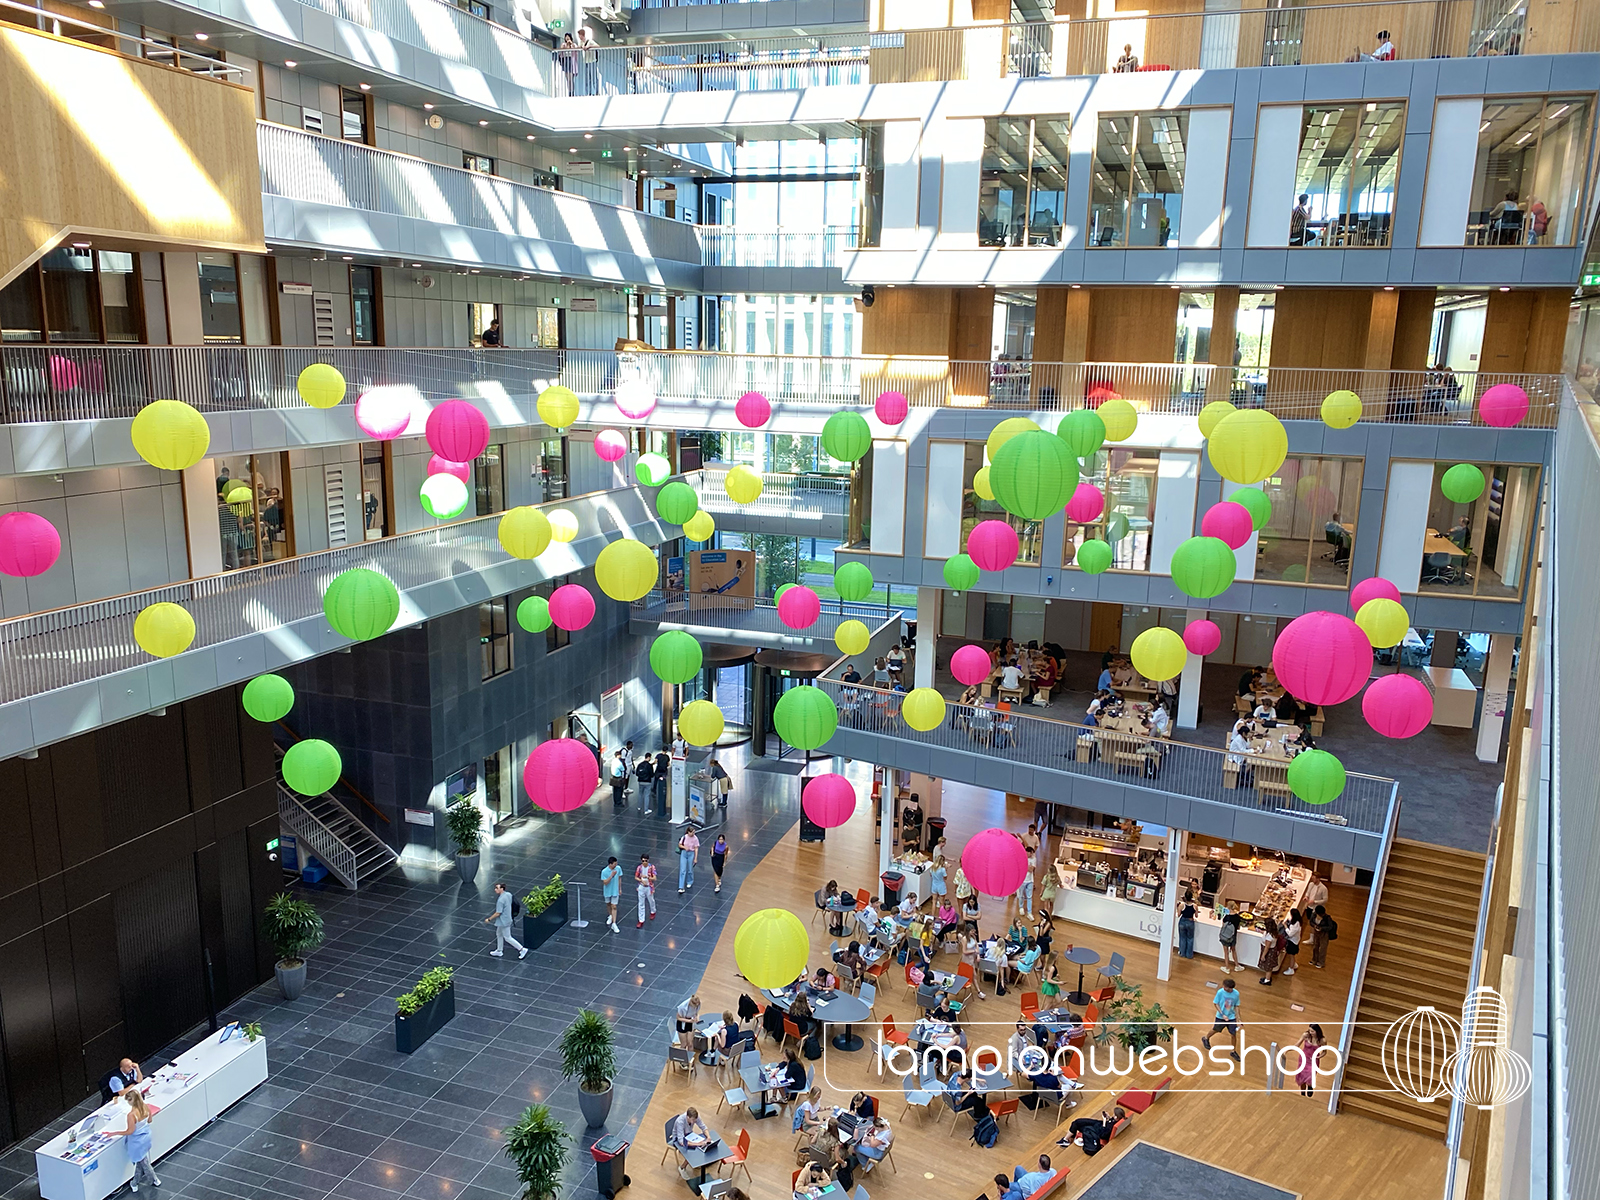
[(745, 621)]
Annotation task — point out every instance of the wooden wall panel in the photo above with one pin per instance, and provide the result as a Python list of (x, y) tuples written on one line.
[(1132, 325), (1413, 330), (972, 325), (1320, 327), (908, 320), (1524, 330), (1050, 324)]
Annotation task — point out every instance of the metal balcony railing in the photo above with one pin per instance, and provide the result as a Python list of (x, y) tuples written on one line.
[(723, 246), (800, 495), (451, 32), (744, 65), (749, 615)]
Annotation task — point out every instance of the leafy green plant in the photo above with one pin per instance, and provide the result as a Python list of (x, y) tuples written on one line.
[(465, 822), (429, 986), (294, 927), (539, 899), (1133, 1024), (252, 1030), (589, 1051), (538, 1146)]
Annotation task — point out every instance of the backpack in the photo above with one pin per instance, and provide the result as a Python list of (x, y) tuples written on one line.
[(986, 1131), (1229, 933), (1331, 927), (1091, 1139), (645, 771), (813, 1047), (516, 908)]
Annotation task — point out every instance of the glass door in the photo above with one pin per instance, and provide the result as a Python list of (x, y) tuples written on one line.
[(500, 787)]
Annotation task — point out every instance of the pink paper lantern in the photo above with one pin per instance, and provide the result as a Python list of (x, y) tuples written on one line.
[(383, 413), (636, 399), (1372, 589), (828, 800), (1086, 504), (1098, 393), (1228, 521), (572, 607), (560, 775), (63, 373), (993, 545), (443, 466), (1398, 706), (995, 862), (1322, 658), (610, 445), (753, 410), (457, 431), (970, 664), (29, 544), (892, 407), (1202, 637), (1503, 405), (799, 607)]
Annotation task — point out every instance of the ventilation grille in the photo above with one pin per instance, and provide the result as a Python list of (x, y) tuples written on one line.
[(322, 317), (333, 486)]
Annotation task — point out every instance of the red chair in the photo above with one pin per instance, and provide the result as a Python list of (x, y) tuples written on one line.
[(862, 896), (791, 1029), (964, 971), (1105, 995), (1030, 1005), (1137, 1101), (1091, 1019), (741, 1157), (1004, 1108), (1117, 1128), (893, 1036)]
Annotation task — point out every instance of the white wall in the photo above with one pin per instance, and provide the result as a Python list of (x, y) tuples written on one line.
[(1206, 172), (962, 145), (941, 536), (1452, 158), (1272, 193), (902, 168), (1177, 482), (1405, 523), (1245, 555), (888, 497)]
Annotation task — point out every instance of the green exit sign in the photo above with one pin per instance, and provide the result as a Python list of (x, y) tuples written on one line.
[(605, 154), (1591, 281), (558, 23), (273, 844)]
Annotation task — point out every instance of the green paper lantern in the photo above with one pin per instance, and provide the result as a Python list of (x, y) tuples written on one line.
[(1462, 483), (1117, 527), (778, 595), (361, 604), (311, 767), (1093, 556), (675, 656), (533, 614), (652, 470), (676, 503), (853, 581), (960, 573), (1083, 431), (268, 698), (1295, 573), (1034, 475), (846, 436), (805, 717), (444, 497), (1203, 567), (1256, 501), (1316, 776)]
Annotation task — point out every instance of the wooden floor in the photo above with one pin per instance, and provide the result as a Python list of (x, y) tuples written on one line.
[(1280, 1138)]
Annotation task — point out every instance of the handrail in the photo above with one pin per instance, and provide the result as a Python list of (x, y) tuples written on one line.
[(340, 858), (349, 787), (215, 65)]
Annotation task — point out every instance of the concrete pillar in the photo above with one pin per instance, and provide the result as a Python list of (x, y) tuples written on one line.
[(1496, 696), (1169, 903), (930, 614), (887, 815), (1189, 681)]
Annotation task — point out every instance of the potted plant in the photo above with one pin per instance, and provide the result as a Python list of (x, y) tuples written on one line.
[(544, 912), (294, 927), (538, 1145), (465, 822), (1133, 1024), (425, 1009), (589, 1055)]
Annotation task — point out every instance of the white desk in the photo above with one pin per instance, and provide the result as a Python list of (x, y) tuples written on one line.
[(1455, 699), (223, 1074), (917, 883)]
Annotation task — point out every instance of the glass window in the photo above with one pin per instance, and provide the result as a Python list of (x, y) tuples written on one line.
[(480, 163), (1528, 181), (21, 316), (555, 637), (489, 480), (549, 323), (252, 510), (553, 468), (354, 106), (1137, 190), (219, 298), (1345, 177), (1023, 188), (1481, 548), (1127, 479), (871, 217), (494, 637), (374, 491), (119, 296), (1312, 530), (363, 306), (71, 299)]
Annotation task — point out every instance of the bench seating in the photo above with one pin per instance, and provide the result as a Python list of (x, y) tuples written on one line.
[(1050, 1186)]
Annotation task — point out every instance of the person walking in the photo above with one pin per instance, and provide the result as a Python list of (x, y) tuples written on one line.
[(501, 920), (688, 855), (1025, 892), (619, 781), (627, 766), (1323, 930), (1186, 915), (1226, 1004), (1311, 1043), (611, 890), (137, 1131), (644, 875), (719, 857)]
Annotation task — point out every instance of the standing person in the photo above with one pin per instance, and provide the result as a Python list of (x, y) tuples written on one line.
[(1226, 1003), (1047, 893), (663, 776), (1323, 931), (492, 335), (688, 855), (501, 920), (590, 49), (937, 887), (1538, 220), (688, 1013), (1271, 952), (627, 765), (645, 772), (1316, 892), (644, 875), (1025, 892), (1228, 936), (611, 890), (724, 784), (1292, 929), (1311, 1043), (619, 781), (568, 57), (1186, 915), (719, 857), (137, 1131)]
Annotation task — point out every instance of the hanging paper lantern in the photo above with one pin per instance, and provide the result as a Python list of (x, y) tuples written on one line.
[(1117, 527), (981, 484), (1341, 409), (1503, 405), (892, 407), (311, 767), (853, 581), (852, 637), (1248, 445), (1202, 637), (1384, 621), (805, 717), (1228, 522), (636, 399), (923, 709), (563, 525), (268, 698), (771, 948), (458, 431), (443, 466), (240, 497), (571, 606), (1094, 556), (1212, 413), (742, 485), (1462, 483), (163, 629), (846, 436), (675, 656), (960, 573), (444, 497), (1005, 431), (970, 664), (384, 413), (1087, 503), (1316, 776), (699, 527), (557, 406), (1033, 475), (320, 385), (828, 800), (676, 503), (1397, 706), (1373, 589), (611, 445), (993, 545), (799, 607), (1121, 419), (1159, 653), (524, 532), (652, 470), (1203, 567), (994, 862), (753, 410), (533, 614), (171, 435), (560, 775), (778, 595), (701, 723), (29, 544), (1084, 432), (626, 570), (1322, 658), (1256, 501), (361, 604)]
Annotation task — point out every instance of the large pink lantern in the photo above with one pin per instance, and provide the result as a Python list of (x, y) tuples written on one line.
[(1086, 504), (753, 410), (572, 607), (1398, 706), (610, 444), (29, 544), (443, 466), (457, 431), (995, 862), (993, 545), (799, 607), (1202, 637), (63, 373), (1228, 521), (560, 775), (970, 664), (1372, 589), (828, 800), (383, 412), (891, 407), (636, 399), (1503, 405), (1322, 658)]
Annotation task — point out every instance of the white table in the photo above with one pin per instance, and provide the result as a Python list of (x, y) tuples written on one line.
[(222, 1074), (917, 883), (1455, 699)]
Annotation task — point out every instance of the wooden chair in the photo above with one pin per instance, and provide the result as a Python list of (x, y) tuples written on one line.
[(1105, 995), (862, 896), (741, 1157), (964, 972)]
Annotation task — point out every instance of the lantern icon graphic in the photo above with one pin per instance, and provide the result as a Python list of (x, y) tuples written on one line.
[(1417, 1050), (1484, 1071)]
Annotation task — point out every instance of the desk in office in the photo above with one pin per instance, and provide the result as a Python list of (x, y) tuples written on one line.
[(1435, 543)]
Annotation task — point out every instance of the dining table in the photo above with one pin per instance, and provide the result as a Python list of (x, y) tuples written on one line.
[(762, 1081), (703, 1155), (1084, 957)]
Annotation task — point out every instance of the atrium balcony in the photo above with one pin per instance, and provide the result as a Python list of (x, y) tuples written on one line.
[(748, 621)]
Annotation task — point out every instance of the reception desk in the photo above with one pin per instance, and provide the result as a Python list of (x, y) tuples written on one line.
[(188, 1094)]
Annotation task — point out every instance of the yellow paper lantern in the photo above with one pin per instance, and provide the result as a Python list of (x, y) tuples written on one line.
[(163, 629), (525, 532), (626, 570), (1384, 622), (980, 484), (742, 485), (1248, 446), (1005, 431), (563, 525), (558, 406), (1212, 413), (171, 435), (923, 709), (1121, 419), (700, 527), (320, 385), (771, 948), (700, 723), (1159, 653), (240, 495), (1341, 409), (851, 637)]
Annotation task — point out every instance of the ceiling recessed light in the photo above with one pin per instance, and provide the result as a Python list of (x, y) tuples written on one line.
[(627, 147), (1389, 289), (572, 149), (588, 135), (290, 63), (483, 122), (81, 245), (530, 137), (475, 271), (348, 257), (416, 264), (365, 87), (1505, 289), (429, 107), (97, 3), (202, 37)]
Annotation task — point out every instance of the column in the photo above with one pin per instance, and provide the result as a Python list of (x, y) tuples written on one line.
[(1496, 696), (1224, 335), (930, 606), (1444, 649), (1189, 681), (1169, 902), (887, 817)]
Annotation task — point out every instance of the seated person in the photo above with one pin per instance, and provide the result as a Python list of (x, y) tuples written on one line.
[(810, 1115), (1031, 1181), (126, 1075), (851, 957), (907, 908), (1044, 679), (1101, 1125), (851, 675), (731, 1040), (863, 1105), (873, 1143), (869, 918), (829, 1150), (945, 916), (1018, 933), (794, 1071), (1264, 711), (942, 1010), (813, 1178), (1011, 678), (824, 980), (1249, 681), (689, 1129), (800, 1013), (1023, 963), (1160, 721), (971, 696)]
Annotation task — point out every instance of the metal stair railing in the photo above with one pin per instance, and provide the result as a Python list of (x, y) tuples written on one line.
[(329, 848)]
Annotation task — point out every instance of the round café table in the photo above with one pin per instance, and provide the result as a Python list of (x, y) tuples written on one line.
[(844, 1009), (1084, 957)]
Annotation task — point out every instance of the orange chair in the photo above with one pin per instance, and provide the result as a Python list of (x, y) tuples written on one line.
[(964, 971), (862, 896), (1091, 1019), (893, 1036), (911, 984), (1030, 1005), (1105, 995), (1004, 1108), (741, 1157), (877, 969), (791, 1029)]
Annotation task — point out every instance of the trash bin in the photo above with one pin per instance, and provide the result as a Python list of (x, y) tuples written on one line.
[(893, 881), (935, 827), (610, 1156)]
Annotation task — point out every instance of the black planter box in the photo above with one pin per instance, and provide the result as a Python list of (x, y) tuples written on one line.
[(410, 1032), (537, 930)]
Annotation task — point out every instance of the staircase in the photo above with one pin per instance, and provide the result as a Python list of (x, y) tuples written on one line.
[(326, 830), (1421, 954)]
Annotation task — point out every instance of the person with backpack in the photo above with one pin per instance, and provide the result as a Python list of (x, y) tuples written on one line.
[(1324, 929), (985, 1129), (627, 765), (505, 908), (619, 781), (1094, 1132), (645, 772), (663, 776), (1228, 937)]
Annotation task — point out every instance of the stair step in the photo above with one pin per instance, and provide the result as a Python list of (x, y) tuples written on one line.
[(1454, 877), (1429, 907), (1405, 1115)]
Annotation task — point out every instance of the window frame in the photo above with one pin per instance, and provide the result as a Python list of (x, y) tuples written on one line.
[(1056, 238), (1474, 557), (499, 638), (1137, 117), (1361, 102), (1097, 527), (1316, 545), (1579, 203), (32, 278)]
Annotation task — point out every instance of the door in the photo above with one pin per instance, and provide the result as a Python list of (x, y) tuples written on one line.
[(996, 618), (499, 787), (1105, 626)]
